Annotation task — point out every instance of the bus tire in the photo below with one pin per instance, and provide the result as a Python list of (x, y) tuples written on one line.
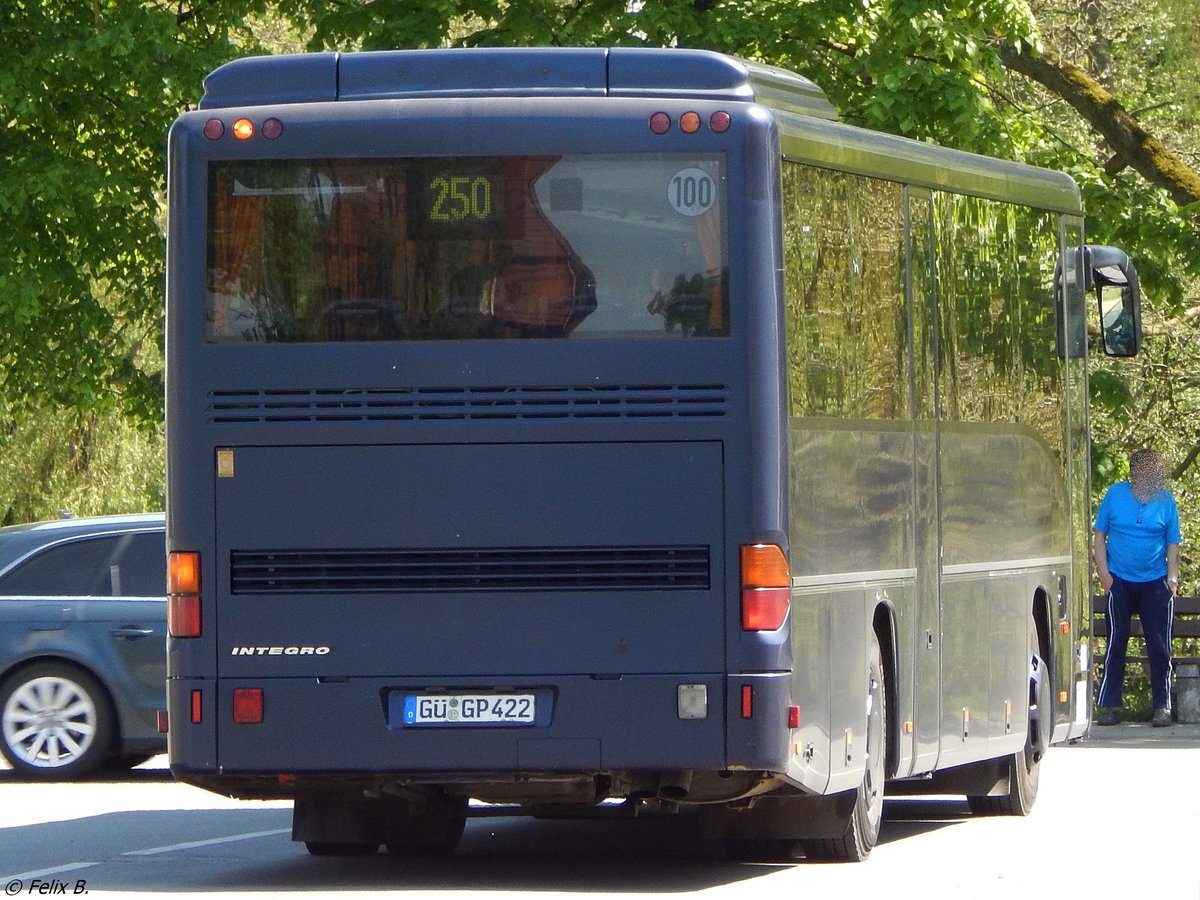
[(434, 831), (336, 848), (862, 832), (1024, 767), (761, 850)]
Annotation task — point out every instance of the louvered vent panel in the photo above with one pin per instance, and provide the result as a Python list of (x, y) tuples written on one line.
[(366, 405), (500, 569)]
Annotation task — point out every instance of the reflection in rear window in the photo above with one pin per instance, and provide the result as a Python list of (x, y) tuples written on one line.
[(467, 248)]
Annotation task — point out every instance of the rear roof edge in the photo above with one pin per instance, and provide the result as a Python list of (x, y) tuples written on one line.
[(512, 72)]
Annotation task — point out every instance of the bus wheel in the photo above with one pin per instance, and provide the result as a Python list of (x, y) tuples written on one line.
[(430, 832), (863, 830), (1023, 770), (334, 848), (761, 849), (1024, 767)]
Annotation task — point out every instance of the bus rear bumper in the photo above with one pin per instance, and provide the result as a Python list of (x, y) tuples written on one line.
[(674, 726)]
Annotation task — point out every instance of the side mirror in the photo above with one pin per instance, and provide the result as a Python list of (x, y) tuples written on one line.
[(1120, 305)]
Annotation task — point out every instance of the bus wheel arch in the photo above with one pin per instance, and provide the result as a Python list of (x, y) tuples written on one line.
[(1024, 766), (884, 627), (862, 830)]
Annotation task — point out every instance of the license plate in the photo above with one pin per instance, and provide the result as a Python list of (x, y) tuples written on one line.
[(469, 709)]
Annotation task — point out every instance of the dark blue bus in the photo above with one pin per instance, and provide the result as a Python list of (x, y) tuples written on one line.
[(550, 429)]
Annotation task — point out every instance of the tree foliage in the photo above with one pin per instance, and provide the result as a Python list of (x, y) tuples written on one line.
[(87, 93), (1103, 89)]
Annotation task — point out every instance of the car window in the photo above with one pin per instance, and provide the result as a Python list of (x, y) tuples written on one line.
[(129, 565), (142, 566)]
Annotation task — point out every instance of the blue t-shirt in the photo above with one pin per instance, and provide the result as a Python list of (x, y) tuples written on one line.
[(1138, 533)]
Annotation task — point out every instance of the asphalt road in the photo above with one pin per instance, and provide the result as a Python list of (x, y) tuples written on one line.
[(1117, 816)]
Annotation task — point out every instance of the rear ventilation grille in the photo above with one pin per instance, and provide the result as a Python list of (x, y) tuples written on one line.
[(408, 404), (499, 569)]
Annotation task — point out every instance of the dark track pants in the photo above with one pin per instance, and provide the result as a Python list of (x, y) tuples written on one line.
[(1154, 604)]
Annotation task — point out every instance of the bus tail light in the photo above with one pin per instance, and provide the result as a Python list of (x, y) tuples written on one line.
[(183, 594), (183, 616), (766, 587)]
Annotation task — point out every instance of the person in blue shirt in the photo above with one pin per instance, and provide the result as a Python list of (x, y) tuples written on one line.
[(1136, 547)]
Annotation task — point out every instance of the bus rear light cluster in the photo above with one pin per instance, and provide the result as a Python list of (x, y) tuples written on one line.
[(690, 122), (766, 587), (243, 129), (183, 594)]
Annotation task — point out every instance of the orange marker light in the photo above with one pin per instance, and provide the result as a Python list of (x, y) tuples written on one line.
[(243, 129), (183, 572), (689, 123)]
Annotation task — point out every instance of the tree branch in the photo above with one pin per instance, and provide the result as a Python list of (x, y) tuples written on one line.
[(1188, 460), (1130, 142)]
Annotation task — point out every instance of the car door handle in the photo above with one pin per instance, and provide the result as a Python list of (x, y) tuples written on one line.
[(132, 631)]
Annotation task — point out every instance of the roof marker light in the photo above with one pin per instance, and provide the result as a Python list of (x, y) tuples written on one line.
[(719, 122), (213, 129), (271, 129), (243, 129), (689, 123), (660, 123)]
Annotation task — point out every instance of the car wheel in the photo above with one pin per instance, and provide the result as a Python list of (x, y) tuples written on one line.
[(56, 722)]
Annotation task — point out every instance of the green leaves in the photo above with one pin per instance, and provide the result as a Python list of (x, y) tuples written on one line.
[(89, 89), (87, 93)]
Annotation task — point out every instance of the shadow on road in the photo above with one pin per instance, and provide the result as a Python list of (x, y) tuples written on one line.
[(190, 850)]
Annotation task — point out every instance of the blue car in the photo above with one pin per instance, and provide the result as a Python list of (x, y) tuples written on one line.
[(83, 616)]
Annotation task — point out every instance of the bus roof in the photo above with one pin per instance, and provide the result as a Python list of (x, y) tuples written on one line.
[(510, 72), (846, 148), (808, 124)]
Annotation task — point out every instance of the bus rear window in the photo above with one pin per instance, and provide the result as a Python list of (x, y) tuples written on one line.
[(467, 248)]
